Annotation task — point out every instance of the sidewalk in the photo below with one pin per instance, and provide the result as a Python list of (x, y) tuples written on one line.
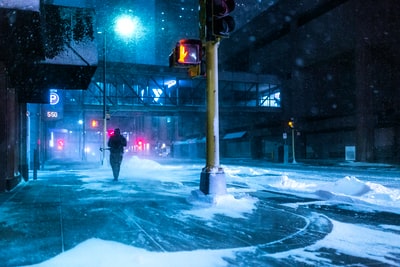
[(153, 213), (41, 219)]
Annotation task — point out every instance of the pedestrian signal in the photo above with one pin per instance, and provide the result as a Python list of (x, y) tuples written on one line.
[(186, 53)]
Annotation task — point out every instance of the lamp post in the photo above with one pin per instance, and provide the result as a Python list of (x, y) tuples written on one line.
[(293, 148), (104, 98), (124, 26), (291, 125)]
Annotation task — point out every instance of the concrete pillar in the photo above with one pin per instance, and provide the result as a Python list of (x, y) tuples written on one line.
[(9, 143), (163, 129), (23, 141), (377, 35), (364, 100), (3, 135)]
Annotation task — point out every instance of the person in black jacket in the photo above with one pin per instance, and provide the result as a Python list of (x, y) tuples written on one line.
[(116, 143)]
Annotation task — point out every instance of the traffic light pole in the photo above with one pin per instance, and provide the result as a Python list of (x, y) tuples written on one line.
[(212, 179), (293, 149)]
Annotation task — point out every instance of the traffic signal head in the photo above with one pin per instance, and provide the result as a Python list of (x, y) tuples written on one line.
[(223, 26), (186, 53), (291, 123), (223, 23), (94, 123), (139, 145), (60, 144), (110, 132), (218, 20)]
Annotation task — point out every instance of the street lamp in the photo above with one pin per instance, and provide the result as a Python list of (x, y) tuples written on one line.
[(104, 97), (130, 30), (126, 26)]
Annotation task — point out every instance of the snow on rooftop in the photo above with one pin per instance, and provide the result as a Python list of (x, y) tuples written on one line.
[(32, 5), (78, 53)]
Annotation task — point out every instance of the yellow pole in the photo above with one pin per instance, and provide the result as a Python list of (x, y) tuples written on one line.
[(212, 180), (212, 105)]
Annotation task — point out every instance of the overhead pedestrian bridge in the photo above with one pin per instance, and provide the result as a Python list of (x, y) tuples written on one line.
[(160, 89)]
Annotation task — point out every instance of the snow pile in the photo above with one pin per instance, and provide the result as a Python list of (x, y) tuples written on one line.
[(100, 253), (348, 189), (243, 172), (313, 184), (350, 186), (207, 207), (136, 163), (290, 184), (349, 239), (134, 168)]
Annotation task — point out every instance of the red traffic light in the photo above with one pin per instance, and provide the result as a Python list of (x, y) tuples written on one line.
[(110, 132), (139, 145), (60, 144)]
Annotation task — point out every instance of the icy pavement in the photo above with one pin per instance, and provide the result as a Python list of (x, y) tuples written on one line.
[(273, 215)]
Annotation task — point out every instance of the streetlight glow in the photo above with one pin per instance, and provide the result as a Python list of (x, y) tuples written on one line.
[(126, 25)]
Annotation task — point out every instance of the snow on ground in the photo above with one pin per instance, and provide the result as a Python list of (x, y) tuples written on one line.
[(347, 239), (101, 253), (381, 243), (228, 205), (311, 183)]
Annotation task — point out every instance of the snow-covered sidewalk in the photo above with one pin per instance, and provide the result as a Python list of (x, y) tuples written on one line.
[(154, 217)]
